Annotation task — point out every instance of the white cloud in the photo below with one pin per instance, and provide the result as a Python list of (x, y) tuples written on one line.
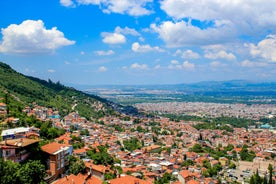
[(67, 3), (105, 53), (186, 65), (183, 33), (130, 7), (126, 31), (136, 47), (187, 54), (102, 69), (51, 70), (113, 38), (174, 62), (157, 67), (221, 54), (243, 13), (82, 53), (138, 66), (220, 21), (32, 37), (216, 64), (265, 48), (247, 63), (88, 2)]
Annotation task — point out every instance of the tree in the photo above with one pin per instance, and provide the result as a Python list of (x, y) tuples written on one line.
[(265, 180), (196, 148), (76, 165), (109, 176), (100, 157), (132, 144), (246, 155), (8, 170), (32, 172), (270, 169), (136, 121)]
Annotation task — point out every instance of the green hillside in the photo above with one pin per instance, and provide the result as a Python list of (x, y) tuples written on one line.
[(19, 90)]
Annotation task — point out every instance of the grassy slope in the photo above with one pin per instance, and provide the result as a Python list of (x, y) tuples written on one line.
[(47, 93)]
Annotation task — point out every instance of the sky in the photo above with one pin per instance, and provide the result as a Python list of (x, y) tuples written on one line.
[(133, 42)]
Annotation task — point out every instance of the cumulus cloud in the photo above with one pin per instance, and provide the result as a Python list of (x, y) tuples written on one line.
[(136, 47), (113, 38), (174, 62), (218, 51), (102, 69), (105, 53), (186, 65), (265, 48), (216, 64), (138, 66), (130, 7), (183, 33), (221, 54), (157, 67), (187, 54), (126, 31), (31, 36), (220, 21), (260, 13), (51, 70), (247, 63), (67, 3), (88, 2)]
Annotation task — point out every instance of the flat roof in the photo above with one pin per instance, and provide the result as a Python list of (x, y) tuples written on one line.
[(14, 130)]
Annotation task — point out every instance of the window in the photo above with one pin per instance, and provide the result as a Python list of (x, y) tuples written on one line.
[(8, 152), (58, 164)]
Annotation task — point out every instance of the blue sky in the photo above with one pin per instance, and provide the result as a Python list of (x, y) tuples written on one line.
[(139, 41)]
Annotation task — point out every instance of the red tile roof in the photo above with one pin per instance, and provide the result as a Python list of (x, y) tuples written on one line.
[(94, 180), (22, 142), (79, 179), (128, 180), (192, 182), (53, 147)]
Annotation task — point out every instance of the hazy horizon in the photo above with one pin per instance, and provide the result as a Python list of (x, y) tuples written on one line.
[(142, 42)]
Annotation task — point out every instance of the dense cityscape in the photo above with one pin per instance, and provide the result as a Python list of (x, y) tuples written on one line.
[(121, 148), (138, 92)]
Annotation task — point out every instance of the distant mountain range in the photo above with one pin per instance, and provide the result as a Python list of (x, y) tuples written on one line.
[(206, 87)]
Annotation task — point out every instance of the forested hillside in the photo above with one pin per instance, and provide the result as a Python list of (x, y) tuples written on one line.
[(18, 90)]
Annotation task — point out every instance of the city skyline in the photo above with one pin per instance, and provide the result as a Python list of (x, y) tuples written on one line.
[(139, 42)]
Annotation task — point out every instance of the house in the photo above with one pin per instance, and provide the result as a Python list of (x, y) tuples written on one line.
[(80, 153), (11, 133), (191, 155), (17, 150), (152, 148), (3, 106), (57, 158), (184, 176), (3, 109), (97, 171), (79, 179), (128, 180), (65, 138), (223, 161)]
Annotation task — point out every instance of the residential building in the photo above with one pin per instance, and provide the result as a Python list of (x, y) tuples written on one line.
[(57, 158), (17, 150), (128, 180)]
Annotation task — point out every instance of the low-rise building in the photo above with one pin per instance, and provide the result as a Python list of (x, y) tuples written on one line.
[(17, 150), (57, 158)]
